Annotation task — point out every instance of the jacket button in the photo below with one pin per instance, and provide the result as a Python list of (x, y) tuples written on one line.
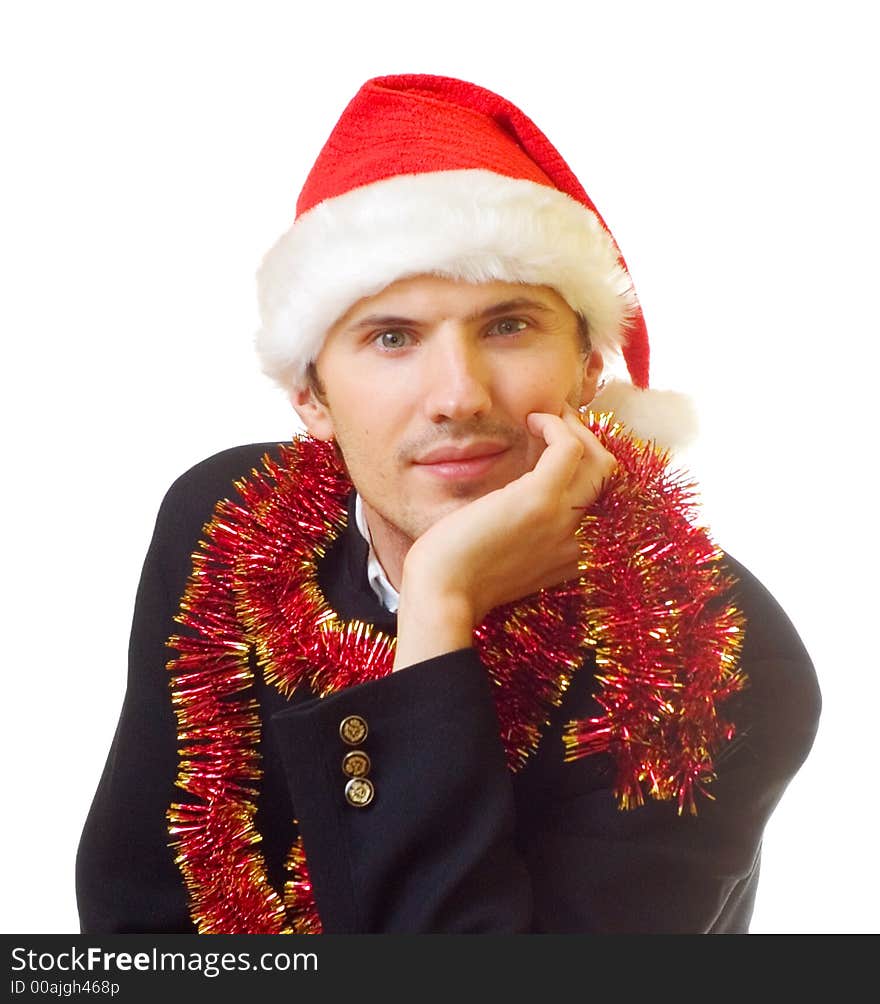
[(355, 763), (359, 792), (353, 730)]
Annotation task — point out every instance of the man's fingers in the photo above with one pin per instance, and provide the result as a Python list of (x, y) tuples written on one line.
[(573, 421), (584, 479), (594, 471), (557, 464)]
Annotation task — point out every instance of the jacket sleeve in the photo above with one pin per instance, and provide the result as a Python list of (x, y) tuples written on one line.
[(650, 870), (434, 850), (126, 877), (451, 842)]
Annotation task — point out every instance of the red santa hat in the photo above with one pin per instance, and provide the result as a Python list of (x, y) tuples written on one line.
[(431, 175)]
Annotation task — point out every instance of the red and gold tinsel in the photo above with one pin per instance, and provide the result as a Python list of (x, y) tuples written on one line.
[(666, 634), (651, 601)]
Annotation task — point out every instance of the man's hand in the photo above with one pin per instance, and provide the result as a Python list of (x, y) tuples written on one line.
[(502, 546)]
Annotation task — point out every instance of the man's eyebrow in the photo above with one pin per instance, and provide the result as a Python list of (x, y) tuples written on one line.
[(507, 307), (388, 320)]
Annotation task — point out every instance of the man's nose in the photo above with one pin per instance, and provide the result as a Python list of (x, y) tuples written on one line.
[(456, 382)]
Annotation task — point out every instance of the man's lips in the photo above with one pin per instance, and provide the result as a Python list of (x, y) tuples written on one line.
[(461, 460), (455, 452)]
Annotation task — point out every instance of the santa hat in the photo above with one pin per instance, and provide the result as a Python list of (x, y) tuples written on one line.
[(432, 175)]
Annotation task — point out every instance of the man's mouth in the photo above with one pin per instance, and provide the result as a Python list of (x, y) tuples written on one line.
[(461, 460)]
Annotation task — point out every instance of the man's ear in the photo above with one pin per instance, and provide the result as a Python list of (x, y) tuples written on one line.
[(314, 413), (593, 365)]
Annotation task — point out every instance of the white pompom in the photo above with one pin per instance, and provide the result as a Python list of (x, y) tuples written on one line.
[(666, 416)]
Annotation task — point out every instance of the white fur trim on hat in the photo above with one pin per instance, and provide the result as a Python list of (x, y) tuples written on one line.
[(473, 225)]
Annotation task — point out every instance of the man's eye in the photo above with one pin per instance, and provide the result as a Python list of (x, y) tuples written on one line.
[(509, 326), (392, 339)]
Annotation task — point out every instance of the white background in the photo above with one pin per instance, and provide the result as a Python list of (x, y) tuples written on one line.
[(154, 151)]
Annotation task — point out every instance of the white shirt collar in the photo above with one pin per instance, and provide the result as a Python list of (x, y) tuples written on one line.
[(387, 594)]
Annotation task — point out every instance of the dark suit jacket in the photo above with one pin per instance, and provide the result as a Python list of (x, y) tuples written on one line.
[(453, 842)]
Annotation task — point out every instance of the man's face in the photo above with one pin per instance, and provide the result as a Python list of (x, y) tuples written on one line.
[(426, 389)]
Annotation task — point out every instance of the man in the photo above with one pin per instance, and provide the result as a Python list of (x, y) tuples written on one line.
[(459, 660)]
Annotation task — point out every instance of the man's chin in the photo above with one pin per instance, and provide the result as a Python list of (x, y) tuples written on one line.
[(418, 511), (461, 492), (455, 499)]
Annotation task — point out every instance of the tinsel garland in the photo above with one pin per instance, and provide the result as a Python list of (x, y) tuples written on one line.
[(666, 634), (650, 601)]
